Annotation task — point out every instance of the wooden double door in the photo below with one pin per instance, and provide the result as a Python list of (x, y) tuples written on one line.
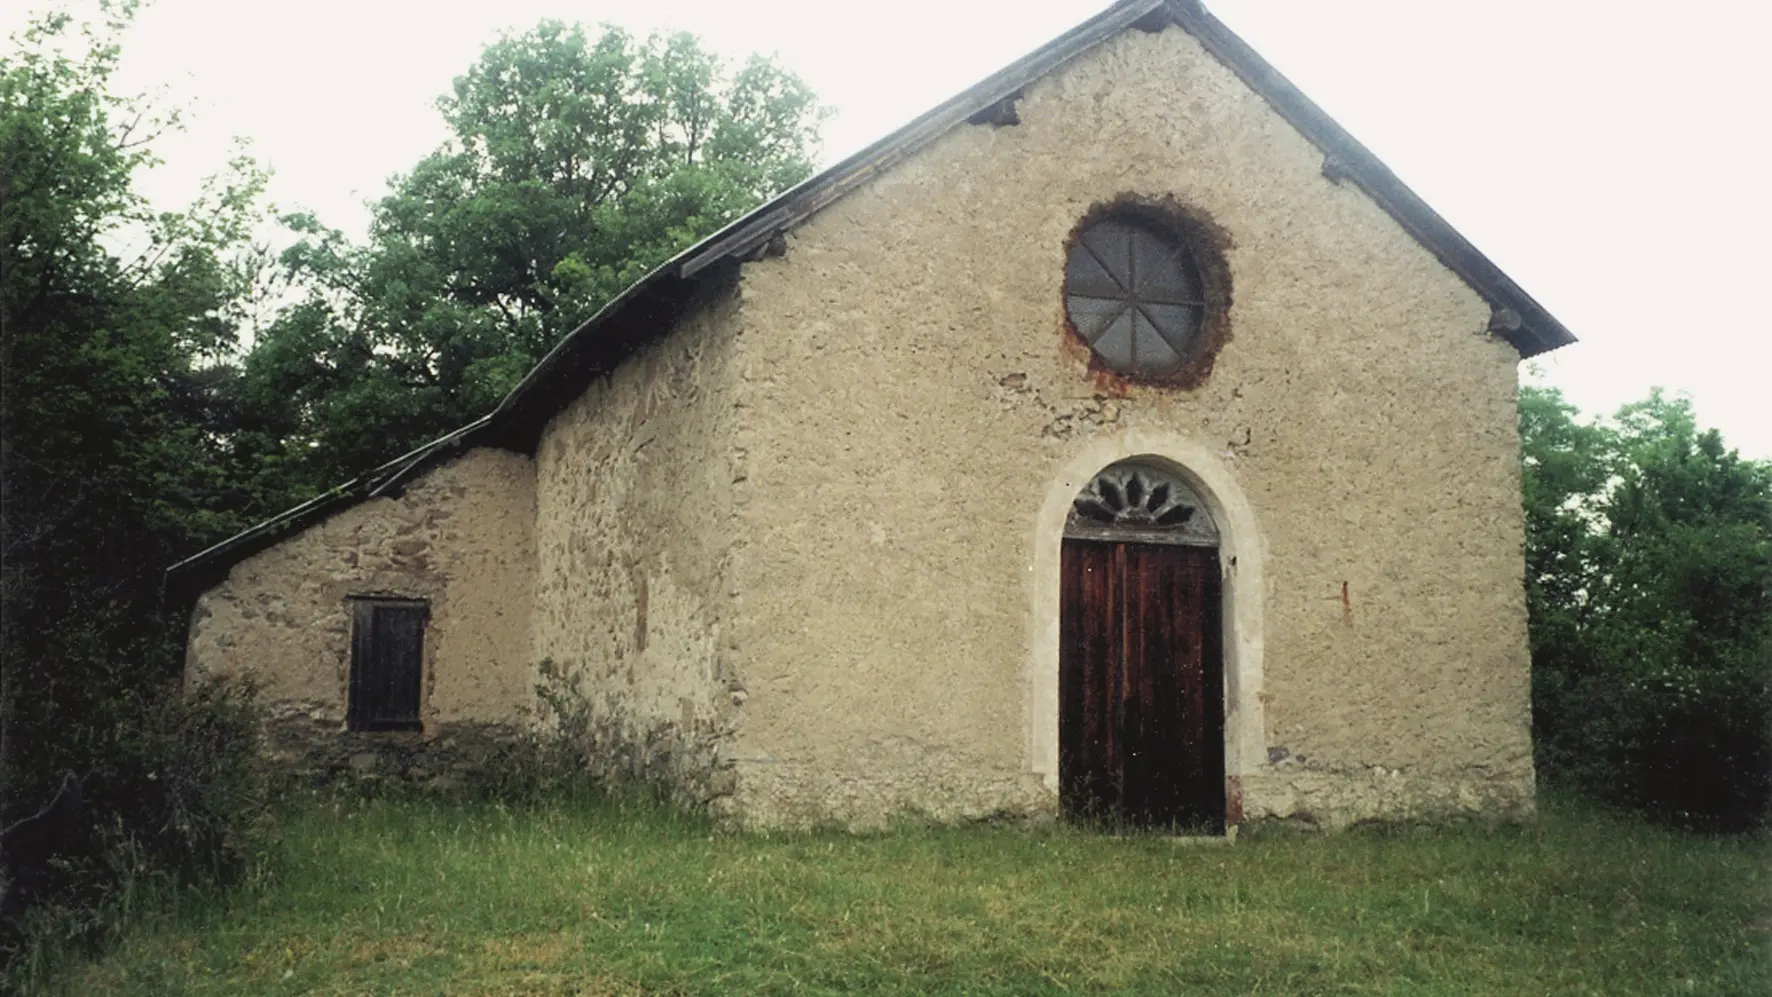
[(1141, 685)]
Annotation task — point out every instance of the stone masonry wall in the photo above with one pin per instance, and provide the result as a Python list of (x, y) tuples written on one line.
[(636, 540), (907, 374), (460, 537)]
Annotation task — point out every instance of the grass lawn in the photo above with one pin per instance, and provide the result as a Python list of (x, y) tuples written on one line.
[(624, 897)]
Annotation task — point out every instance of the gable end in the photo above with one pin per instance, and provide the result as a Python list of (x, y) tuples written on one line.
[(651, 306)]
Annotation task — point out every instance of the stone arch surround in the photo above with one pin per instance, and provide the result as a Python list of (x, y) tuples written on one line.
[(1240, 551)]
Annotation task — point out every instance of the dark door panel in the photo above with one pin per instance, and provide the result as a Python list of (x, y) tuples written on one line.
[(1090, 677), (387, 664), (1141, 726)]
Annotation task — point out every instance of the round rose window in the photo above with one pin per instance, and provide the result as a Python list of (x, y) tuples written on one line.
[(1133, 294)]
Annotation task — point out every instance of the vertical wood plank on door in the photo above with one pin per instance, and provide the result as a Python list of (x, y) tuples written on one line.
[(1089, 676), (1172, 595), (400, 634), (360, 697)]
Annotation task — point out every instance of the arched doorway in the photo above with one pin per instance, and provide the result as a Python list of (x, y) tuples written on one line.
[(1141, 661)]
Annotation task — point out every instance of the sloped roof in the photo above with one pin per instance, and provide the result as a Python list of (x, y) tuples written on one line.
[(651, 305)]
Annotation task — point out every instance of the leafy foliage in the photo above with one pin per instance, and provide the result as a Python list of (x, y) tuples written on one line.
[(107, 464), (1649, 581), (145, 416), (577, 164)]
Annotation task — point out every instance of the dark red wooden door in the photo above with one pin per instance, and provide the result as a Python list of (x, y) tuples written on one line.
[(1141, 679)]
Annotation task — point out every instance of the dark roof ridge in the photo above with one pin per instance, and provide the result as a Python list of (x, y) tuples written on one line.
[(1516, 317), (387, 481), (751, 234), (656, 300)]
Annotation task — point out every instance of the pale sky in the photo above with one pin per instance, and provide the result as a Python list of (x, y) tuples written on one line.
[(1610, 156)]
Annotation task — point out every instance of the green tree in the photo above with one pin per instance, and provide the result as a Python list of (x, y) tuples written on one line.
[(108, 462), (1649, 582), (1566, 468), (577, 164)]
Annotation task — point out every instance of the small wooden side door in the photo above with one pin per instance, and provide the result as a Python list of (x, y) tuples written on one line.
[(387, 665), (1141, 679)]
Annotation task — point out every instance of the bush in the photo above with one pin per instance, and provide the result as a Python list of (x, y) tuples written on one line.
[(552, 756), (113, 463), (172, 797), (1649, 583)]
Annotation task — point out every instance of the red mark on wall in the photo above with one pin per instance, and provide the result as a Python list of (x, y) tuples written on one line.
[(1233, 800)]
